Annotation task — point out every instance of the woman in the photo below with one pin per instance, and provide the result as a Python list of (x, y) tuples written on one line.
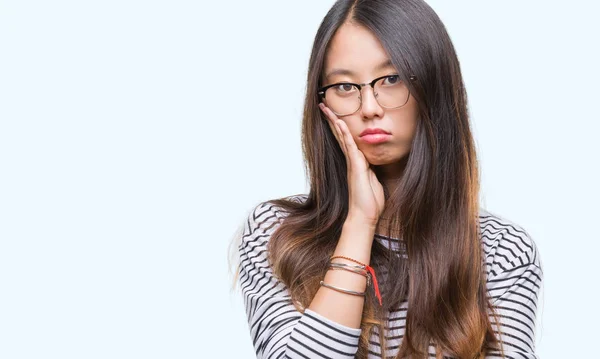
[(390, 248)]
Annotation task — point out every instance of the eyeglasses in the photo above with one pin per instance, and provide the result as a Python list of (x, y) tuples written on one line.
[(344, 98)]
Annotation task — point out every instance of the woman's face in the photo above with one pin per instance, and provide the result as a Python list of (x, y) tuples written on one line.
[(360, 55)]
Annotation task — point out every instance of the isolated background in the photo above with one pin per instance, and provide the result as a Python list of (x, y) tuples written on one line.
[(136, 135)]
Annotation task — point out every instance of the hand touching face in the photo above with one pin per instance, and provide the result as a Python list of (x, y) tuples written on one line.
[(356, 55)]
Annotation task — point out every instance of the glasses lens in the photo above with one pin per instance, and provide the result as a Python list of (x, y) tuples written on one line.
[(391, 92), (343, 99)]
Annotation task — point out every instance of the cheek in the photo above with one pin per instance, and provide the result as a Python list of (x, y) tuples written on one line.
[(411, 128), (354, 129), (404, 128)]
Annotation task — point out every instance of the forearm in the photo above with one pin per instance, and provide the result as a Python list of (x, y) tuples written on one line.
[(355, 242)]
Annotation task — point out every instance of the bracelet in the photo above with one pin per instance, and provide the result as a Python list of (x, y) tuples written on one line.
[(348, 268), (349, 265), (350, 259), (368, 268), (347, 291)]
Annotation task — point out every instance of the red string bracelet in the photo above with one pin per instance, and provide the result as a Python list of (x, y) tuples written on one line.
[(371, 270)]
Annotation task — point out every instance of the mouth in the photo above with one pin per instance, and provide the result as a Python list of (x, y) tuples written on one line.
[(374, 131), (374, 138)]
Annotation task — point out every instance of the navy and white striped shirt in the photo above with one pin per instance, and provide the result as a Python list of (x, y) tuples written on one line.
[(279, 330)]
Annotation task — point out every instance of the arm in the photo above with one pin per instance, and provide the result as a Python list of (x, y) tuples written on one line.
[(514, 286), (277, 328), (355, 242)]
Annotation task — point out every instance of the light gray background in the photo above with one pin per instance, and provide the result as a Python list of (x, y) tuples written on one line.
[(136, 135)]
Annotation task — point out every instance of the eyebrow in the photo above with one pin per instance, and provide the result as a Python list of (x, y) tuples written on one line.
[(387, 63)]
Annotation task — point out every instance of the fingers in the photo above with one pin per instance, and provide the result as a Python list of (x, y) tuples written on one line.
[(349, 147), (354, 156), (335, 128)]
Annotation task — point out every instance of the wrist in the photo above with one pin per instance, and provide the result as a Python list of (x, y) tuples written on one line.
[(356, 241), (360, 221)]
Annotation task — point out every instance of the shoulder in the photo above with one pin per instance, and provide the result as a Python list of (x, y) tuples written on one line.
[(263, 217), (261, 221), (506, 244)]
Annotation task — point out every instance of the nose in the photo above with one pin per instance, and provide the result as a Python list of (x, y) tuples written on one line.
[(369, 105)]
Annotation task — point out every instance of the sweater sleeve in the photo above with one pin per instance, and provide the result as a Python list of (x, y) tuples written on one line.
[(277, 328), (514, 282)]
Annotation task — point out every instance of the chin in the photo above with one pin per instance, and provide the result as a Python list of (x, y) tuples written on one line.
[(380, 161), (383, 158)]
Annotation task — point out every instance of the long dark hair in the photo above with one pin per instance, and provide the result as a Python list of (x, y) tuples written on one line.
[(435, 206)]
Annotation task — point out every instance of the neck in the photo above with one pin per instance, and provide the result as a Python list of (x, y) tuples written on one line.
[(390, 176)]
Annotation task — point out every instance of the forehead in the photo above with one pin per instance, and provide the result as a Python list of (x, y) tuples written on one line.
[(356, 49)]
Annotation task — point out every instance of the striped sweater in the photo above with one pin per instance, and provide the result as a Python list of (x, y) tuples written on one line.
[(278, 330)]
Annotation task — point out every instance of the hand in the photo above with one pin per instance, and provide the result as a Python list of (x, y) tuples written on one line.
[(366, 196)]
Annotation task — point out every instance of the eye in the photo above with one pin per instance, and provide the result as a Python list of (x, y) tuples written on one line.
[(344, 88), (391, 80)]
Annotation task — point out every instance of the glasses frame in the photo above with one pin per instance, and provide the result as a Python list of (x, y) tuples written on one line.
[(321, 92)]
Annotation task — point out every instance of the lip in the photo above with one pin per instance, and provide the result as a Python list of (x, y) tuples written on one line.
[(376, 138), (375, 135), (373, 131)]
